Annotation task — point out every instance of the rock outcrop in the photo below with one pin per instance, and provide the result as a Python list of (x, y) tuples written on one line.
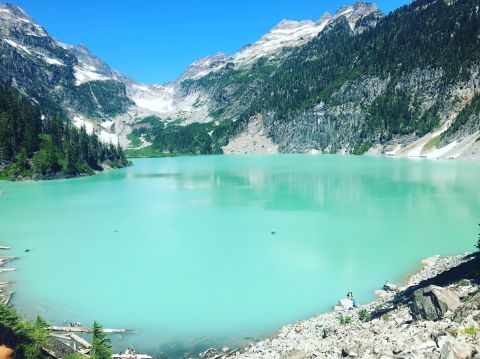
[(433, 303)]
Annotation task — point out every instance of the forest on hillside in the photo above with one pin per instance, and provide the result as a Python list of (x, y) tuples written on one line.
[(33, 146)]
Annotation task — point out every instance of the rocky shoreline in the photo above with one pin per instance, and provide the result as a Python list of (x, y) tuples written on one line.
[(434, 314)]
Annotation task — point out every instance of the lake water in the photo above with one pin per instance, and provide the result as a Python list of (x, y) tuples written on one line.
[(182, 250)]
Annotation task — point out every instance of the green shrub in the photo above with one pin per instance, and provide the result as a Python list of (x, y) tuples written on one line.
[(345, 320), (362, 149), (471, 330), (363, 314), (75, 356), (33, 336)]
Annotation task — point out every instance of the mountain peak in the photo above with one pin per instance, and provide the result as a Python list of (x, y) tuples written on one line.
[(14, 20), (291, 24), (366, 8), (204, 65), (13, 12), (325, 18), (357, 12), (13, 9), (359, 7)]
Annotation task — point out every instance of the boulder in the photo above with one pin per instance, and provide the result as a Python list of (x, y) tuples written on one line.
[(432, 303), (390, 287), (457, 350), (345, 304)]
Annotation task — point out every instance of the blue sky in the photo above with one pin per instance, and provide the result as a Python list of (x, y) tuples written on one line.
[(154, 40)]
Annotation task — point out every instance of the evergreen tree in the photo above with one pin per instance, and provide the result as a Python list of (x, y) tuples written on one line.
[(478, 243), (31, 145), (101, 345), (32, 336)]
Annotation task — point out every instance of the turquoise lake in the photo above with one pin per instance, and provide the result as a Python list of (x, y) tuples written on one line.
[(182, 249)]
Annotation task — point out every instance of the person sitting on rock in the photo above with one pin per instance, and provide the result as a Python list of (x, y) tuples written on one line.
[(8, 342)]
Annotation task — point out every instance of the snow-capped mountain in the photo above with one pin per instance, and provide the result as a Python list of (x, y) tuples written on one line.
[(169, 101), (73, 79), (291, 34), (287, 34), (60, 77), (195, 105), (21, 35), (323, 85)]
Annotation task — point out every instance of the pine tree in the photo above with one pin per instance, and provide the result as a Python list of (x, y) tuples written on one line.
[(478, 242), (31, 145), (101, 345)]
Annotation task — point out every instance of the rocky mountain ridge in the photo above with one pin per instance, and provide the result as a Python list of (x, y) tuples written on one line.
[(355, 82)]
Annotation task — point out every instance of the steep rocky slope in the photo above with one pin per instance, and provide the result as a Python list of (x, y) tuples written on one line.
[(60, 78)]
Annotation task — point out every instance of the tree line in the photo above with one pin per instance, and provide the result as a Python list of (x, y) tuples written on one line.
[(32, 146)]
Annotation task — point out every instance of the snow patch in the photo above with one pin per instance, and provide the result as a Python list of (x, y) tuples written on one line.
[(17, 45), (79, 123), (107, 124), (83, 75), (107, 137), (439, 152), (51, 61), (286, 34), (344, 12), (155, 104), (103, 136)]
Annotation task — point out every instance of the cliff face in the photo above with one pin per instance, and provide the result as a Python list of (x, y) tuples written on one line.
[(395, 87), (423, 98)]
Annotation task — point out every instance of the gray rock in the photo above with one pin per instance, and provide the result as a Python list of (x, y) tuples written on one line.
[(398, 350), (456, 350), (432, 303), (390, 287), (465, 310)]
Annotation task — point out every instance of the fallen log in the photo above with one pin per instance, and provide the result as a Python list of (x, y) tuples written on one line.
[(2, 270), (80, 341), (88, 330), (60, 336), (6, 298)]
